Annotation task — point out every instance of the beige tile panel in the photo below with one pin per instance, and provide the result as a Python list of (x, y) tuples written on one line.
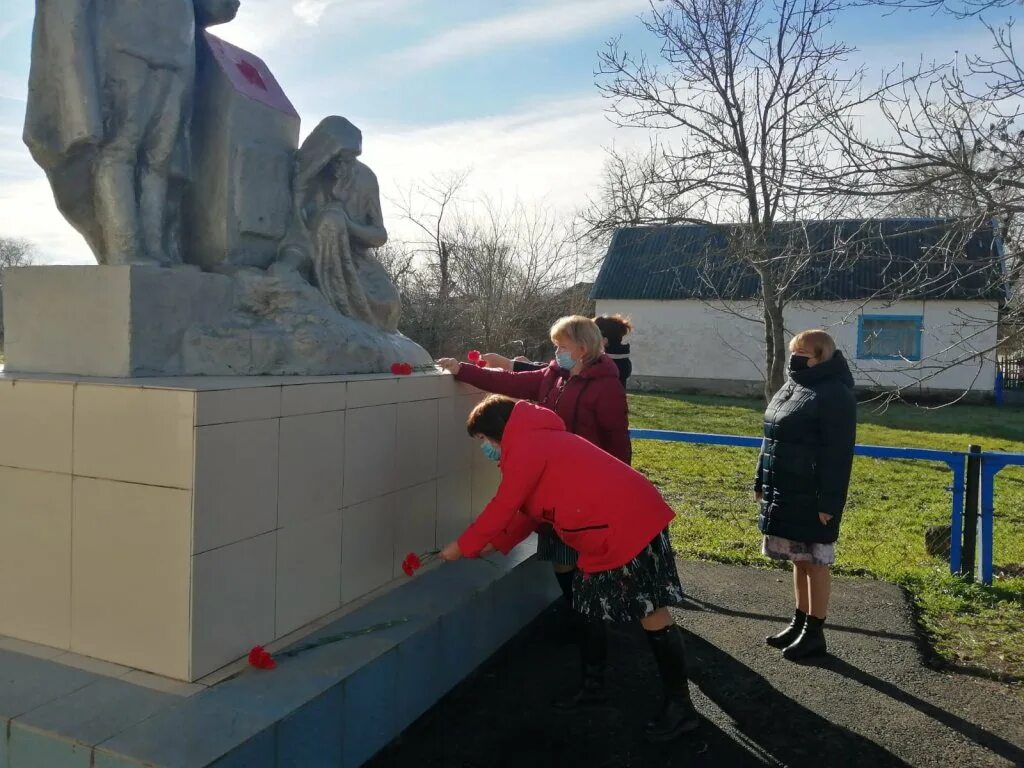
[(135, 435), (370, 447), (130, 571), (232, 602), (308, 571), (311, 466), (236, 482), (313, 398), (35, 556), (421, 386), (241, 404), (415, 522), (35, 425), (454, 506), (454, 447), (367, 547), (371, 391), (416, 458)]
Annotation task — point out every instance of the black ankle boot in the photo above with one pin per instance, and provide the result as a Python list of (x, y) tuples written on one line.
[(810, 643), (678, 715), (787, 636), (593, 645)]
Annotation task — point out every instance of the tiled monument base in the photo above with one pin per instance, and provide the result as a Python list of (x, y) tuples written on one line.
[(330, 707), (171, 525)]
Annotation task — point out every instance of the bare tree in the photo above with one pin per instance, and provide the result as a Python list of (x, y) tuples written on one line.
[(482, 274), (741, 98)]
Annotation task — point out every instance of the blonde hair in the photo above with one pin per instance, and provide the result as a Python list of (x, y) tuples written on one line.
[(579, 330), (818, 341)]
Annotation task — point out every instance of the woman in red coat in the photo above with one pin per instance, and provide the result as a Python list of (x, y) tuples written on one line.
[(606, 511), (582, 386)]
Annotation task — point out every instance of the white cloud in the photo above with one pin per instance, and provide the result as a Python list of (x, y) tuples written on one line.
[(550, 155), (552, 21)]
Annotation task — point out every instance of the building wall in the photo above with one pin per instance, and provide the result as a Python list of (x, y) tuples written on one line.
[(715, 347)]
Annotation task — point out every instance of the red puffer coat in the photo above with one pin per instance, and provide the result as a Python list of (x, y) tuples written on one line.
[(592, 404), (599, 506)]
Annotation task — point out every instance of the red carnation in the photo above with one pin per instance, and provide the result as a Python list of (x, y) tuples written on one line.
[(260, 659), (481, 363), (407, 567), (406, 369), (474, 356), (401, 369), (414, 560)]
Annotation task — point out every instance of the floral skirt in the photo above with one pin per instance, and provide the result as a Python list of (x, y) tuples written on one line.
[(779, 548), (550, 547), (647, 582)]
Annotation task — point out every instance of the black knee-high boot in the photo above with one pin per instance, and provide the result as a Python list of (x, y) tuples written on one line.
[(565, 582), (593, 644), (678, 715)]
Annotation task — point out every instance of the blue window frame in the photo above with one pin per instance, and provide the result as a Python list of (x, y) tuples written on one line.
[(889, 337)]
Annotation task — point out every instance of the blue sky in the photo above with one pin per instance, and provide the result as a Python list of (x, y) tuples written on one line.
[(504, 89)]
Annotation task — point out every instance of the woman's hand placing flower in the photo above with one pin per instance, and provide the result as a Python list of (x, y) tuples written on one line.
[(449, 364), (824, 518), (451, 553)]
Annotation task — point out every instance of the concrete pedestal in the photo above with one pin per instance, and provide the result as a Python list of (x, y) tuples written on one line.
[(169, 525), (106, 321)]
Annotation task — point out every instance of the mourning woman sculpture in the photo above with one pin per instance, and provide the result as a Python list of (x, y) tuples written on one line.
[(336, 220)]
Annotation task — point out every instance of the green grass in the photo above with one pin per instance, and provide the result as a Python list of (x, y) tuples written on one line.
[(891, 503)]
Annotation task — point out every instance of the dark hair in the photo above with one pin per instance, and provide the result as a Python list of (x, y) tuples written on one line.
[(490, 417), (613, 327)]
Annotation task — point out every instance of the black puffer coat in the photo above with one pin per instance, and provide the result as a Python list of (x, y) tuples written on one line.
[(810, 429)]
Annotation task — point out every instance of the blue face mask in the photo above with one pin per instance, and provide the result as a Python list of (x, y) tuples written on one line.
[(490, 450), (564, 360)]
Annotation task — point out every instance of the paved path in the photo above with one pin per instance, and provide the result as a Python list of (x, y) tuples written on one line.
[(872, 703)]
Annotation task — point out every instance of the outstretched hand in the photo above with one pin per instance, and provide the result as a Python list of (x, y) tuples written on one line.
[(494, 360), (451, 553), (449, 364)]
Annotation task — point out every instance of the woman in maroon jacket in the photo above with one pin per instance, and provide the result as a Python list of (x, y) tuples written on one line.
[(610, 514), (582, 386)]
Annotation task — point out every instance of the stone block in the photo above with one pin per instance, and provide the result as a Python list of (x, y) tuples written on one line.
[(311, 468), (106, 320), (130, 576), (308, 571), (35, 421), (35, 556), (235, 482), (233, 592), (415, 522), (367, 547)]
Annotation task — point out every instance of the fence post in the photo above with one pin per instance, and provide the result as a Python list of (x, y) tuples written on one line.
[(970, 547)]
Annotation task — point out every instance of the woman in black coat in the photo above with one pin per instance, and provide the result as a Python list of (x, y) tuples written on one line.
[(803, 474)]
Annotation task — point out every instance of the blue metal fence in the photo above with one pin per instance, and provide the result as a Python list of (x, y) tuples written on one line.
[(955, 460), (991, 464)]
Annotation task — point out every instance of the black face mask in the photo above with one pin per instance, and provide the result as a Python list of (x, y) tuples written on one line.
[(798, 362)]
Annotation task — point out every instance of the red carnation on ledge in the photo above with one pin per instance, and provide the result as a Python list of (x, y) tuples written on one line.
[(414, 562), (481, 363), (401, 369), (260, 659), (474, 356)]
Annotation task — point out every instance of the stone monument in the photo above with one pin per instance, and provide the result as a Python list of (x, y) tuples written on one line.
[(170, 149)]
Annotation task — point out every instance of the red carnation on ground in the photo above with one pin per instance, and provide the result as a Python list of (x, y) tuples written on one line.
[(474, 356), (260, 659), (407, 567)]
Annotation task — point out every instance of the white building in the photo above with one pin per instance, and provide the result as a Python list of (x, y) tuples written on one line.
[(904, 315)]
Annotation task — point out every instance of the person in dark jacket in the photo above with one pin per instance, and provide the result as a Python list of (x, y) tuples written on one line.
[(613, 516), (614, 328), (803, 474), (582, 386)]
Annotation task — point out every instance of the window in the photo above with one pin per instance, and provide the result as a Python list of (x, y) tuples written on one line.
[(889, 337)]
